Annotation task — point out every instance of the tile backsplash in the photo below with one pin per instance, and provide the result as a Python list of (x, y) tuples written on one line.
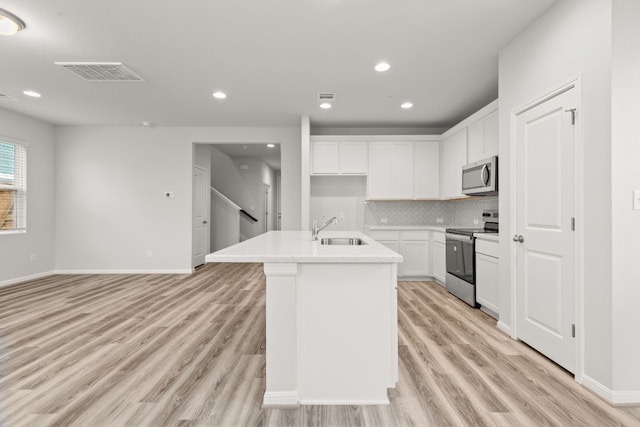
[(453, 212)]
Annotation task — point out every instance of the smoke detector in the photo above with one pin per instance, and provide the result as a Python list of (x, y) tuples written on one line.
[(101, 72)]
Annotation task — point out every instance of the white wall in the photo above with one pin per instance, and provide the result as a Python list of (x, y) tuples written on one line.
[(122, 172), (332, 195), (15, 249), (226, 178), (572, 39), (255, 177), (625, 167)]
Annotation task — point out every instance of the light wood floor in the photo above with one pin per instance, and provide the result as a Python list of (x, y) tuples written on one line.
[(157, 350)]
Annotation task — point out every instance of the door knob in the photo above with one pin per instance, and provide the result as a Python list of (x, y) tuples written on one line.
[(518, 238)]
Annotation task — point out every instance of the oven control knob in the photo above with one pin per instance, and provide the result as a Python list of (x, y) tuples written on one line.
[(518, 238)]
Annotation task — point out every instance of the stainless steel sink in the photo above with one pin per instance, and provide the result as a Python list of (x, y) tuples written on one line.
[(344, 241)]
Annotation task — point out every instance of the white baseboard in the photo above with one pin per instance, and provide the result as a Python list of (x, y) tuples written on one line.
[(176, 271), (17, 280), (504, 327), (615, 397), (280, 399)]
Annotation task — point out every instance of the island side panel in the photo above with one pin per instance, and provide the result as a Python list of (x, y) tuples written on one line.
[(347, 333), (281, 335)]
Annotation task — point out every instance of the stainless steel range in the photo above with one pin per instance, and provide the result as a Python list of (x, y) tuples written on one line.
[(461, 260)]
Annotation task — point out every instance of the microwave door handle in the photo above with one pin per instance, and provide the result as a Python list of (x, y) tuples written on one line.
[(485, 175)]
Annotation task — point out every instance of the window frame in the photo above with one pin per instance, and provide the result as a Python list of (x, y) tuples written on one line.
[(21, 188)]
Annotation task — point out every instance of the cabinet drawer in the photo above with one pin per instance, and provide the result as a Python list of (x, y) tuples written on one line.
[(487, 248), (438, 237), (384, 235), (416, 235)]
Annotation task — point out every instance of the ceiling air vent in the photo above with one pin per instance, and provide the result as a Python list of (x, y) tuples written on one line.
[(326, 96), (101, 71)]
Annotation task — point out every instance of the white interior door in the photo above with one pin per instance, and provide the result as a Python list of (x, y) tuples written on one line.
[(545, 201), (200, 215)]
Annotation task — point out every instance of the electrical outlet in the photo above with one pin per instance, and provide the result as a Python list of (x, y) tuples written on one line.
[(384, 220), (149, 254), (341, 216), (168, 194), (439, 220), (32, 257)]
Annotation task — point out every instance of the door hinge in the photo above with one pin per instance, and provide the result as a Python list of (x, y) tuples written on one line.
[(573, 115), (573, 330), (573, 223)]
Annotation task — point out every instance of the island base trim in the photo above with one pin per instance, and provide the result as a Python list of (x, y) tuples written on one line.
[(280, 399), (345, 402)]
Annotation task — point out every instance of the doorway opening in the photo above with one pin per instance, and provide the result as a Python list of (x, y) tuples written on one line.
[(244, 191)]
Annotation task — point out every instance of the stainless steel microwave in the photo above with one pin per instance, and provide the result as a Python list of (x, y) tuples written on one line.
[(481, 178)]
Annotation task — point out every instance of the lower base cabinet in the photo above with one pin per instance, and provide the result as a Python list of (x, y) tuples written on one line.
[(439, 261), (416, 248), (487, 270)]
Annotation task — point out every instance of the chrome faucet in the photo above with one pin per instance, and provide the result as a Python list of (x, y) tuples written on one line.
[(315, 228)]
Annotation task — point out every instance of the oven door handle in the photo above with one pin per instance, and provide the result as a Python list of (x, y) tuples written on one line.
[(460, 237)]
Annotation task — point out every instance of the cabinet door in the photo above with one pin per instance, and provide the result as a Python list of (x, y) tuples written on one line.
[(427, 170), (353, 158), (487, 289), (416, 258), (324, 157), (483, 138), (402, 170), (475, 144), (491, 135), (379, 178), (454, 156), (439, 267)]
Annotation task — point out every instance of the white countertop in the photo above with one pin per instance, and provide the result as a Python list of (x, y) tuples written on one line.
[(406, 227), (491, 237), (297, 246)]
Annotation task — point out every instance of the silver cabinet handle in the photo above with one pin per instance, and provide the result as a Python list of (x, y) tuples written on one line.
[(518, 238)]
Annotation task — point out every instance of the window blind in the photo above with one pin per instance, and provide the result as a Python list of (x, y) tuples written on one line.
[(13, 187)]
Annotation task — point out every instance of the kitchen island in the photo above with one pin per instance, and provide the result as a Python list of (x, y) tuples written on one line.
[(331, 316)]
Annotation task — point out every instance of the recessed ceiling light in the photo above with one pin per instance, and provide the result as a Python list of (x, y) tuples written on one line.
[(32, 94), (10, 23), (219, 95), (271, 145), (147, 124), (406, 105), (325, 105), (382, 66)]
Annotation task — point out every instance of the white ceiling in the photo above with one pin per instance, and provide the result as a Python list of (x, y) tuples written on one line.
[(271, 156), (270, 57)]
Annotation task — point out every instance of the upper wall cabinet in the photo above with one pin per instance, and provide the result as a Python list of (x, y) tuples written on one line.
[(483, 138), (338, 158), (426, 169), (454, 157), (390, 171)]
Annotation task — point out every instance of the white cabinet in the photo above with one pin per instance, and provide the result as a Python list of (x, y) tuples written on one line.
[(487, 285), (390, 171), (413, 245), (453, 158), (426, 156), (338, 158), (439, 262), (483, 138)]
